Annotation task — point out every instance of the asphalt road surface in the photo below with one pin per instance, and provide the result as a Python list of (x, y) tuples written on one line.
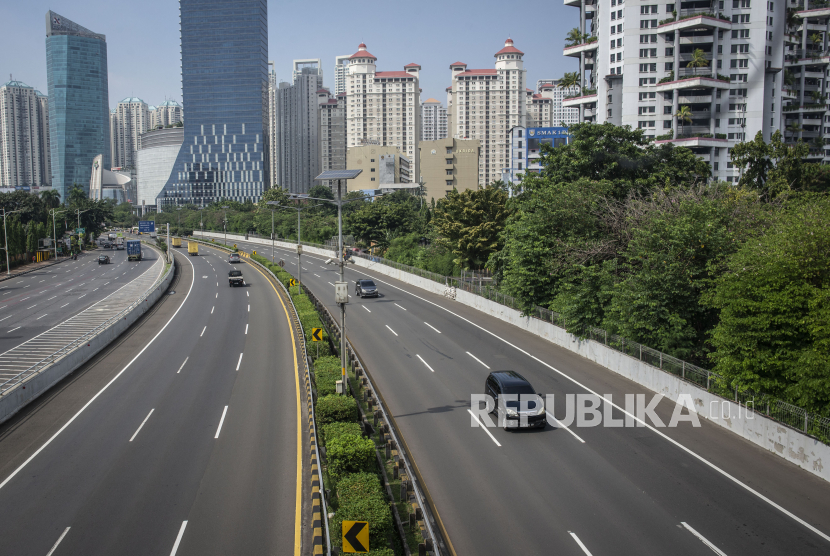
[(35, 302), (181, 438), (569, 491)]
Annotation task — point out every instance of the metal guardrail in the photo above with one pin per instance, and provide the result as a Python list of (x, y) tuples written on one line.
[(45, 362)]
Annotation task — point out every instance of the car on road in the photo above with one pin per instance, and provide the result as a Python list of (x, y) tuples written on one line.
[(235, 278), (498, 384), (103, 259), (365, 288), (234, 258)]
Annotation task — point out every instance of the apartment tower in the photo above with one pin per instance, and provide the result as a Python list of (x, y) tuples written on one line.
[(24, 137)]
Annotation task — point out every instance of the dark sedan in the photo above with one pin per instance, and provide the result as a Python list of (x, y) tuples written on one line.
[(365, 288), (103, 259)]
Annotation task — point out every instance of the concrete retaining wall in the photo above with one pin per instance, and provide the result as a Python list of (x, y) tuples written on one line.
[(795, 446), (16, 399)]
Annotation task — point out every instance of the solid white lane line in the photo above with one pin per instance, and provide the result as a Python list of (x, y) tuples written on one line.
[(178, 538), (183, 364), (579, 542), (424, 362), (4, 318), (62, 306), (400, 306), (55, 546), (480, 424), (222, 420), (703, 539), (12, 330), (246, 329), (428, 324), (365, 307), (392, 331), (40, 317), (142, 423), (212, 308), (477, 359), (203, 331), (642, 422), (238, 363), (558, 422)]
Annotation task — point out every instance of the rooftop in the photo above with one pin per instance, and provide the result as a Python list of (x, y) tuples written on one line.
[(18, 84), (509, 49), (362, 53)]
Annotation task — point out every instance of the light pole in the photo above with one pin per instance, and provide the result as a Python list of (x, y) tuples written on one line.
[(5, 214), (53, 212), (179, 221), (79, 212), (274, 203), (299, 247), (225, 223)]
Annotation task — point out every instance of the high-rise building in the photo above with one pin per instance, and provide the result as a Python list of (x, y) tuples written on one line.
[(381, 165), (130, 119), (539, 109), (225, 150), (313, 63), (272, 124), (341, 68), (448, 164), (331, 121), (166, 114), (383, 107), (155, 158), (76, 71), (433, 120), (297, 128), (24, 137), (549, 88), (485, 104), (642, 63)]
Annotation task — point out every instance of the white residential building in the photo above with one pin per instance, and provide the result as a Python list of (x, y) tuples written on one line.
[(549, 88), (297, 142), (314, 63), (331, 126), (24, 137), (272, 124), (383, 107), (130, 119), (433, 120), (485, 104), (636, 70), (341, 68), (165, 114)]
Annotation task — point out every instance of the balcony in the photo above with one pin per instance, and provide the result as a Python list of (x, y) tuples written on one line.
[(576, 3), (692, 83), (818, 12), (589, 112), (699, 21), (576, 49), (694, 99), (577, 101), (692, 142)]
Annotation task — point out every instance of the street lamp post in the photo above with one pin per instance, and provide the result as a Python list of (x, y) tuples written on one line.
[(79, 212), (225, 223), (5, 214), (53, 212), (299, 248), (275, 203)]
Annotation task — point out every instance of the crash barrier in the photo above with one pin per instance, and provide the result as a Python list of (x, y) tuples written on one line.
[(784, 429), (30, 382)]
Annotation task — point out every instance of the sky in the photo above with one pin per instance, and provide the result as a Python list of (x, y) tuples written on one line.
[(144, 52)]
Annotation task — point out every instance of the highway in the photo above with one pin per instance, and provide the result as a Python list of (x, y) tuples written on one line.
[(571, 491), (181, 438), (35, 302)]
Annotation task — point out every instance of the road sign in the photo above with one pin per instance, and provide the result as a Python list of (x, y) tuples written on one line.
[(316, 334), (80, 231), (254, 252), (281, 263), (355, 536), (292, 282), (146, 226)]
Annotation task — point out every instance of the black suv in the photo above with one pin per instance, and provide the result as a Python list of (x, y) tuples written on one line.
[(235, 278), (365, 288), (511, 382), (103, 259)]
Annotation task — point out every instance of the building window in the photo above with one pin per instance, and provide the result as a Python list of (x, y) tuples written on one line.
[(667, 124), (373, 179), (520, 165)]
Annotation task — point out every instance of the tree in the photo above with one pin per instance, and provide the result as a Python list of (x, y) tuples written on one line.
[(684, 115), (698, 60), (470, 223), (51, 198), (574, 37), (569, 80), (771, 168)]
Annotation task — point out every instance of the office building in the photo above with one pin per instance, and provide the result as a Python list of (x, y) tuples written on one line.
[(341, 68), (155, 158), (331, 122), (297, 142), (448, 164), (641, 63), (24, 137), (381, 165), (76, 72), (225, 150), (383, 107), (272, 124), (108, 184), (433, 120), (526, 150), (130, 119), (484, 104)]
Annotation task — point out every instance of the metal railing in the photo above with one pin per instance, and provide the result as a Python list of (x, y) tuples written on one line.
[(53, 357)]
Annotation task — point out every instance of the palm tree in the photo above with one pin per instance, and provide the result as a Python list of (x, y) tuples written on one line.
[(792, 21), (789, 79), (52, 198), (569, 80), (817, 97), (574, 37), (794, 129), (684, 115), (815, 38), (698, 59)]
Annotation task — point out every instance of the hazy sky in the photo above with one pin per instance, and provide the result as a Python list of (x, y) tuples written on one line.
[(144, 51)]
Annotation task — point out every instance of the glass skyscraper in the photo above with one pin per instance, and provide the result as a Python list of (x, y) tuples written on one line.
[(79, 129), (225, 92)]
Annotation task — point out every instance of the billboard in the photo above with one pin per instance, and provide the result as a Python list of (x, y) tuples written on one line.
[(146, 226), (555, 136)]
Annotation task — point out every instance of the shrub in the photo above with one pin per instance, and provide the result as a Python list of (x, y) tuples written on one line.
[(371, 508), (359, 485), (333, 408), (336, 430), (349, 453)]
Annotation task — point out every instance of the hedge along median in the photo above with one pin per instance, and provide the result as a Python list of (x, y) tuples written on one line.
[(352, 464)]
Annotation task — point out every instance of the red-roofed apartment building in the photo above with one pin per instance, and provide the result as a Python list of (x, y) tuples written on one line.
[(383, 107), (484, 104)]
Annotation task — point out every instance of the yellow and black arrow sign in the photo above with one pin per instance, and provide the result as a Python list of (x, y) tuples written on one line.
[(292, 282), (355, 536), (316, 334)]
